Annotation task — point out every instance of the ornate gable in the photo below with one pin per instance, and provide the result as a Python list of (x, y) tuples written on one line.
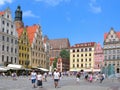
[(111, 36)]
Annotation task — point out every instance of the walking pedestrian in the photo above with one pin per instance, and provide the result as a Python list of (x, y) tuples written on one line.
[(39, 80), (56, 77), (102, 77), (33, 78)]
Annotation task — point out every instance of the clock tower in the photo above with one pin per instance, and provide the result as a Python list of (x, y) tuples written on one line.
[(18, 18)]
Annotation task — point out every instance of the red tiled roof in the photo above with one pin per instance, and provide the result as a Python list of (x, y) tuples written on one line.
[(106, 34), (19, 31), (88, 44), (2, 13), (59, 43), (31, 32)]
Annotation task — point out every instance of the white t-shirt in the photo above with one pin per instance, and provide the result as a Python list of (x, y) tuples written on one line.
[(33, 75), (39, 77), (56, 75)]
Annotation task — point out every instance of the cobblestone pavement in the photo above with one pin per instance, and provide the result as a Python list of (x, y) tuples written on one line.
[(66, 83)]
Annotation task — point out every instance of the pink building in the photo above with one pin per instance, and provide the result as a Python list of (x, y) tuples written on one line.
[(98, 57)]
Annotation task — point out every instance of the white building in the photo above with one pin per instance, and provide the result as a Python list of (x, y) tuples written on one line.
[(8, 39)]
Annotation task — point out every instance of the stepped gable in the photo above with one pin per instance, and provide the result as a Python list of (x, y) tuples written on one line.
[(31, 30)]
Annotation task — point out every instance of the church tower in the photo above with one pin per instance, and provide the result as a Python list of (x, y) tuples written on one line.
[(18, 18)]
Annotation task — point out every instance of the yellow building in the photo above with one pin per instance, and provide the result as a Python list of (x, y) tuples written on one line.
[(82, 57), (31, 47), (24, 47)]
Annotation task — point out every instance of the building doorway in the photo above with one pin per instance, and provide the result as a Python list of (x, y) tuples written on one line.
[(118, 70)]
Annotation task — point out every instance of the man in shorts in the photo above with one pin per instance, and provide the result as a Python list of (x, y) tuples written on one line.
[(56, 77), (33, 78)]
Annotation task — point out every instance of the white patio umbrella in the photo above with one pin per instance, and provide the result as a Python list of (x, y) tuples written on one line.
[(43, 69), (3, 69)]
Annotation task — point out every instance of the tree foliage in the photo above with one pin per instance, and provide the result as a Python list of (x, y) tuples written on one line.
[(65, 54), (55, 63)]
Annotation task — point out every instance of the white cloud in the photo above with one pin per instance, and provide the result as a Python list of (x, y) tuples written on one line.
[(53, 2), (3, 2), (29, 14), (94, 7)]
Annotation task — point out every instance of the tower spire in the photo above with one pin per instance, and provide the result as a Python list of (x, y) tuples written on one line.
[(18, 14), (18, 18)]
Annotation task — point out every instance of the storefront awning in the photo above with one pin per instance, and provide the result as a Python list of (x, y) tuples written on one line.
[(15, 66), (43, 69), (3, 68)]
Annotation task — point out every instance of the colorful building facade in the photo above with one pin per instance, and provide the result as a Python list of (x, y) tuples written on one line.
[(31, 48), (8, 39), (112, 49), (82, 57), (98, 57), (56, 45)]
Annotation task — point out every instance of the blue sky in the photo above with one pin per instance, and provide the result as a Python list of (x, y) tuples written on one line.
[(78, 20)]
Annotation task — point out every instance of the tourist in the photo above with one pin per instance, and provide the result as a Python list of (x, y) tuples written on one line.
[(102, 77), (33, 78), (39, 80), (56, 77)]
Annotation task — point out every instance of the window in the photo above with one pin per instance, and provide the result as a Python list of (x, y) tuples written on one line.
[(81, 55), (7, 59), (7, 31), (8, 24), (11, 59), (77, 65), (77, 60), (11, 26), (105, 57), (85, 54), (11, 40), (86, 49), (15, 59), (7, 39), (90, 49), (113, 56), (15, 41), (89, 54), (81, 60), (11, 50), (81, 65), (3, 22), (3, 38), (15, 50), (77, 55), (2, 58), (7, 48), (7, 16), (77, 50), (86, 60), (2, 47), (81, 50), (89, 59), (2, 29)]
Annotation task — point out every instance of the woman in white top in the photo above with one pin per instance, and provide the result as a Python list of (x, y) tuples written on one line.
[(56, 76), (39, 80)]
